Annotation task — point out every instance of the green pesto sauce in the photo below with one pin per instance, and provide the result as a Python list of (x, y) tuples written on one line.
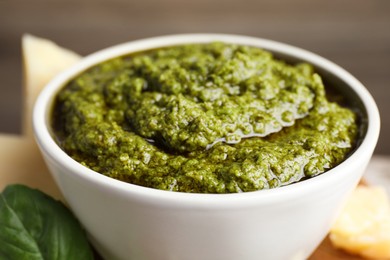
[(205, 118)]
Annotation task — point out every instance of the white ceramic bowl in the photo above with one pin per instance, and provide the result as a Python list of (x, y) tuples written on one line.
[(125, 221)]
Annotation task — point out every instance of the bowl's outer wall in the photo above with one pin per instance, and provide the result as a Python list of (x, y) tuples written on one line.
[(125, 226), (126, 221)]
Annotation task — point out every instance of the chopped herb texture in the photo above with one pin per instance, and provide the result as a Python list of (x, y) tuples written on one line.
[(204, 118)]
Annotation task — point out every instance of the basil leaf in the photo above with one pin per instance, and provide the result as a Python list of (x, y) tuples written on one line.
[(34, 226)]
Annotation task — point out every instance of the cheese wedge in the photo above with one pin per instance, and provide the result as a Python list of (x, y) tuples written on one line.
[(42, 60), (363, 227), (20, 159)]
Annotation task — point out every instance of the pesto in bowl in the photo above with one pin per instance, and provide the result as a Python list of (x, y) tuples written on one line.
[(203, 118)]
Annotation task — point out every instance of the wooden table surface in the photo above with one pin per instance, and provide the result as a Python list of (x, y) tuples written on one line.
[(353, 33)]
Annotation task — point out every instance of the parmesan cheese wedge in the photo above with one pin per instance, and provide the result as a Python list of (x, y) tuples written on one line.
[(43, 60), (20, 159), (363, 227)]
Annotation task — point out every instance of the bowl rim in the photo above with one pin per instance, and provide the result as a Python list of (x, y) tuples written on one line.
[(50, 148)]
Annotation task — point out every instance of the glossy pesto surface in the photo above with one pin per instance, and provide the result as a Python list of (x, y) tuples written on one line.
[(206, 118)]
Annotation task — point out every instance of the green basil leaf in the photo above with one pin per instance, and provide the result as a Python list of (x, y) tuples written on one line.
[(35, 226)]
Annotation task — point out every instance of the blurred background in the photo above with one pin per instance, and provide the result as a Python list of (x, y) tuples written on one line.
[(353, 33)]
